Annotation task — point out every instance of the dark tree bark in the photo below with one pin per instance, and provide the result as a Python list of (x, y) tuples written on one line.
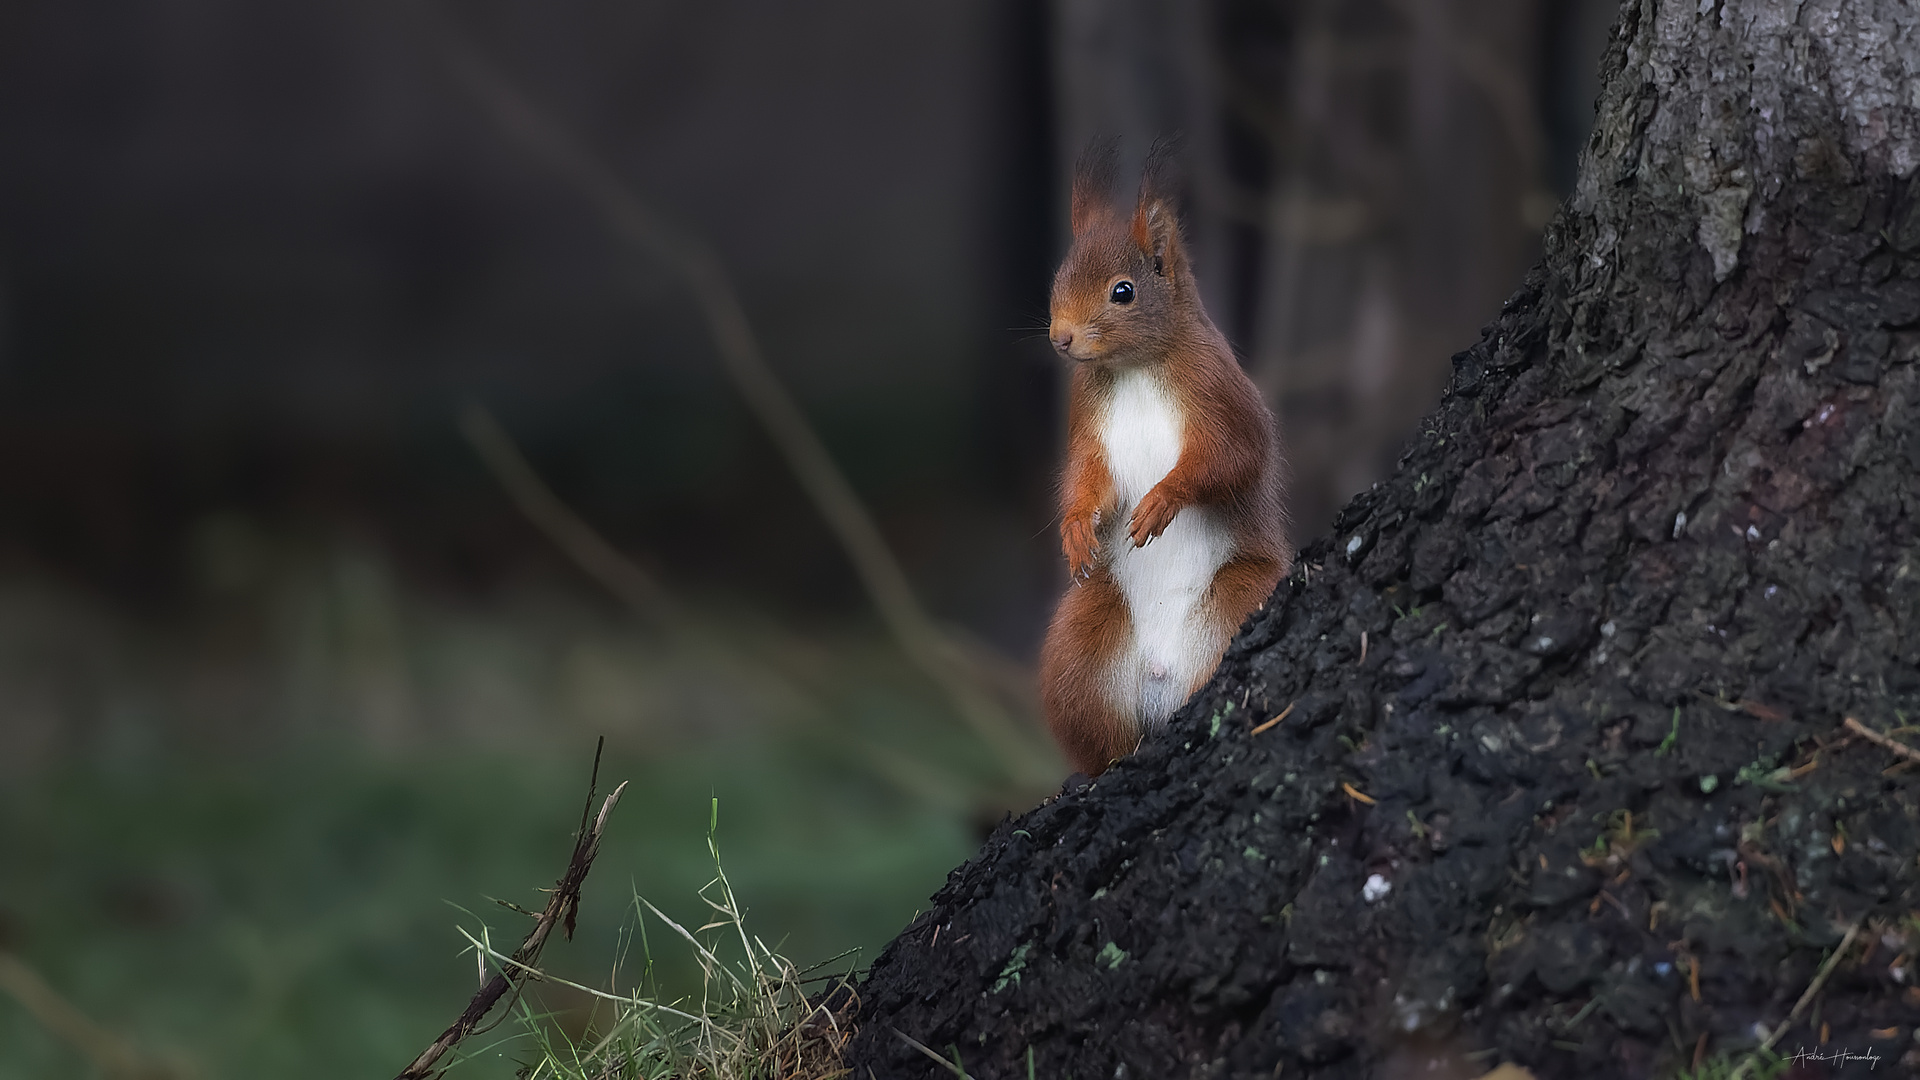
[(1658, 541)]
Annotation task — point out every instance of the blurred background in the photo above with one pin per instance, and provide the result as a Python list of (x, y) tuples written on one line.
[(376, 431)]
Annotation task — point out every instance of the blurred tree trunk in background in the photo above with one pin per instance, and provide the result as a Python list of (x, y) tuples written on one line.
[(1143, 69), (1365, 181)]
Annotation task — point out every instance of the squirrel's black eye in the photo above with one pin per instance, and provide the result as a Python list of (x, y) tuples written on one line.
[(1123, 292)]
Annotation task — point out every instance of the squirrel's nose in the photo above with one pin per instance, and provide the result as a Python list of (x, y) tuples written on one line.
[(1062, 339)]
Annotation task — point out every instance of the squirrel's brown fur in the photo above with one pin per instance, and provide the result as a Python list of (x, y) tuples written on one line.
[(1142, 627)]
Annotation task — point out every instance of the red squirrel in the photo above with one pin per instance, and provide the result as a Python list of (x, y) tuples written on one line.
[(1171, 516)]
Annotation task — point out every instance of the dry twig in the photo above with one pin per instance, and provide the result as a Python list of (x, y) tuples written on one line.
[(741, 356), (1806, 999), (953, 1067), (112, 1055), (1284, 713), (1882, 741), (586, 547), (562, 905)]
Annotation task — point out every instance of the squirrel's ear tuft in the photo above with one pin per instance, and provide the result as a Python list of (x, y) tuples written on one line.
[(1156, 225), (1093, 183)]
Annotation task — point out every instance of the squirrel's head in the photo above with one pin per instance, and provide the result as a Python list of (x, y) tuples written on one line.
[(1120, 293)]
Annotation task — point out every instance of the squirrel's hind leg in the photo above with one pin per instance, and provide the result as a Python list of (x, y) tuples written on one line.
[(1240, 585), (1089, 631)]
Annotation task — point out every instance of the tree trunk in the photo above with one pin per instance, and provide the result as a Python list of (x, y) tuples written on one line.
[(1561, 774), (1140, 70)]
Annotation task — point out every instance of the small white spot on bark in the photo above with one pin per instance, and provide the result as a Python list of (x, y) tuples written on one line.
[(1375, 889)]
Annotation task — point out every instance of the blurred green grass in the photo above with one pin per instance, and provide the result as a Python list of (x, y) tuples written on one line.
[(290, 916), (240, 833)]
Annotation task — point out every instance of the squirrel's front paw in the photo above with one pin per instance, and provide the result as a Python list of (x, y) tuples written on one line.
[(1078, 542), (1151, 517)]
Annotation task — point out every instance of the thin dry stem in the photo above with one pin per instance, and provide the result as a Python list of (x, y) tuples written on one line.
[(1284, 713), (768, 1029), (112, 1055), (1877, 739), (604, 563), (951, 1067), (1806, 999), (562, 903), (633, 221), (568, 531)]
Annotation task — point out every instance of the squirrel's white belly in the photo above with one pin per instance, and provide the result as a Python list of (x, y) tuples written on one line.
[(1173, 645)]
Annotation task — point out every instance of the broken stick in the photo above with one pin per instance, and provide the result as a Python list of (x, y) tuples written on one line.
[(562, 905), (1880, 740), (1806, 999)]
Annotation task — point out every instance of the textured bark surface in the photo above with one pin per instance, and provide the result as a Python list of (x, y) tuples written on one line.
[(1659, 539)]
